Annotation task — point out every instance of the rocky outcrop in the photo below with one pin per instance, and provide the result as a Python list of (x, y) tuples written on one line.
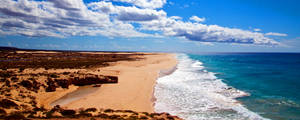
[(79, 80), (6, 103), (90, 79), (64, 83)]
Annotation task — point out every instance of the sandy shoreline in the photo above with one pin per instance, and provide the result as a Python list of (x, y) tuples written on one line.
[(135, 88), (105, 85)]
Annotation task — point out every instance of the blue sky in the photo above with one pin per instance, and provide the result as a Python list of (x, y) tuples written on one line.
[(156, 25)]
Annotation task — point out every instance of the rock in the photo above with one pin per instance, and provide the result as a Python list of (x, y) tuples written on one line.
[(111, 79), (90, 79)]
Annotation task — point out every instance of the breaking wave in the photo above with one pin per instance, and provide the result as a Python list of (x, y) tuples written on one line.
[(193, 93)]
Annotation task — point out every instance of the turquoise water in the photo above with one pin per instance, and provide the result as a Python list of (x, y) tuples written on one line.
[(271, 79)]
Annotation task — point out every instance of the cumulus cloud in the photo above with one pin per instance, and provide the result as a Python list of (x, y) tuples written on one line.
[(135, 14), (276, 34), (207, 33), (127, 13), (256, 29), (152, 4), (197, 19), (176, 17), (61, 18)]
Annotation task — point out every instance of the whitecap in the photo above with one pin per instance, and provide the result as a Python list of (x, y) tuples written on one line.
[(193, 93)]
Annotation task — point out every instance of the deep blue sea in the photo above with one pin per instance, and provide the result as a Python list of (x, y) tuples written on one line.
[(232, 86)]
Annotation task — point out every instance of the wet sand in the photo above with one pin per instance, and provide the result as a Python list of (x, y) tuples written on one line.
[(79, 93)]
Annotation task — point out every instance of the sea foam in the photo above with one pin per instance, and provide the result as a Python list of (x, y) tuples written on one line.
[(193, 93)]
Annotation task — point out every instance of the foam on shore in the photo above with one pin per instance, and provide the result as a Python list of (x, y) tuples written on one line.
[(193, 93)]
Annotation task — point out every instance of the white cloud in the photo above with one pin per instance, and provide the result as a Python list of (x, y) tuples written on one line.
[(207, 33), (256, 29), (152, 4), (61, 18), (176, 17), (127, 13), (197, 19), (276, 34)]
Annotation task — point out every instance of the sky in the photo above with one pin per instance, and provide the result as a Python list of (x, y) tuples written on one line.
[(190, 26)]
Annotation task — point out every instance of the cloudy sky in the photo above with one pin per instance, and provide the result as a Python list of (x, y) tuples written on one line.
[(152, 25)]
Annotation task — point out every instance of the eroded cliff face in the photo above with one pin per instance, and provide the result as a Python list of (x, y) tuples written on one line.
[(20, 96), (20, 90)]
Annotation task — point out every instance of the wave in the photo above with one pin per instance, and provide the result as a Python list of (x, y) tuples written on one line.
[(193, 93)]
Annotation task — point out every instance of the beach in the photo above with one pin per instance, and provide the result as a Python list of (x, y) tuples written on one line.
[(134, 90), (67, 84)]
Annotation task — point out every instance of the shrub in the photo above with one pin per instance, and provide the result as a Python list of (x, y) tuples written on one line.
[(2, 112), (56, 108), (92, 118), (147, 114), (5, 74), (21, 69), (4, 69), (133, 117), (49, 114), (129, 111), (15, 79), (84, 114), (109, 110), (102, 115), (91, 110), (2, 79), (5, 103), (42, 108), (170, 117), (15, 116), (114, 116), (143, 117), (33, 102), (7, 83), (27, 84), (32, 79), (53, 76), (66, 73)]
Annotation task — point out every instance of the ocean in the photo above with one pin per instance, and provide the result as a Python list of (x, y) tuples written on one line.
[(232, 86)]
